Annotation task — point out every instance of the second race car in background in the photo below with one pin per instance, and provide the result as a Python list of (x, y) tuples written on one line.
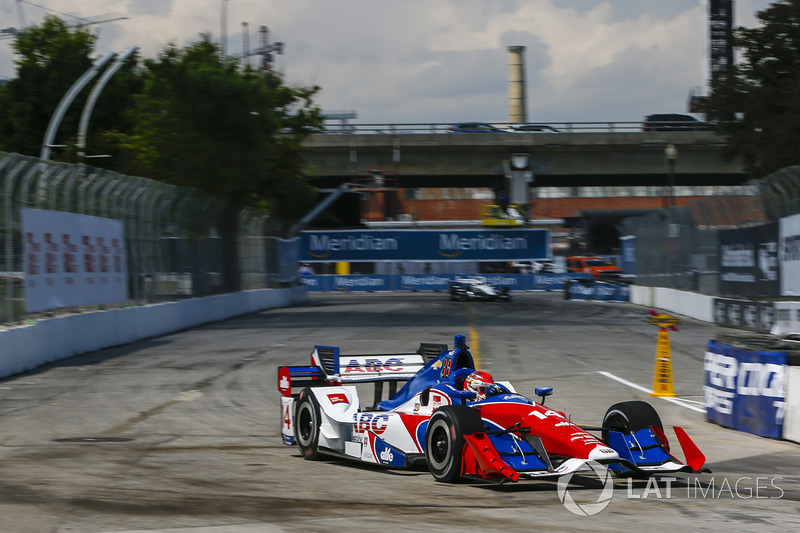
[(477, 288)]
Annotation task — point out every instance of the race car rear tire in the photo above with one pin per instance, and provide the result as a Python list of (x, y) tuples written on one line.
[(306, 425), (444, 440), (629, 417)]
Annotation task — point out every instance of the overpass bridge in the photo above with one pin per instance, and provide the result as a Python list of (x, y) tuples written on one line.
[(581, 155)]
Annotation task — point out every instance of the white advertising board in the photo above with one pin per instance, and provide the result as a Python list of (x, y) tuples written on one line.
[(789, 255), (72, 260)]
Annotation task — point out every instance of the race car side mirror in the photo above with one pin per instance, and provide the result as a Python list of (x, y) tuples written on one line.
[(544, 392)]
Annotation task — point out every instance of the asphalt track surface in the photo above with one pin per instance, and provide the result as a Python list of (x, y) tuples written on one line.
[(181, 433)]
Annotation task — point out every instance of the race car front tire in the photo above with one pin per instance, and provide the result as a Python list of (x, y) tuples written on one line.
[(306, 424), (444, 440), (629, 417)]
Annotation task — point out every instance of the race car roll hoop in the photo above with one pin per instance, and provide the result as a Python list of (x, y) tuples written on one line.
[(495, 434)]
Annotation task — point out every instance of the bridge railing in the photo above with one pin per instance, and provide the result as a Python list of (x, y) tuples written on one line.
[(506, 127)]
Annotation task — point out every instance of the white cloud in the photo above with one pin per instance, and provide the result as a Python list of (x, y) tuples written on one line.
[(441, 60)]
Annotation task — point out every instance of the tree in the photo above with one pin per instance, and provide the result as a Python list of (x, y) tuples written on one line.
[(191, 118), (202, 121), (51, 57), (757, 105)]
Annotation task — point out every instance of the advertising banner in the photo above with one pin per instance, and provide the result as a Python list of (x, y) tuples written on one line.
[(789, 255), (440, 282), (749, 261), (72, 260), (425, 282), (628, 256), (348, 283), (745, 390), (787, 318), (744, 314), (551, 282), (426, 245), (288, 259), (599, 290)]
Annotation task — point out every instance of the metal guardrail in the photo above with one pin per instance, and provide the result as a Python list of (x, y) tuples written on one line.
[(505, 127)]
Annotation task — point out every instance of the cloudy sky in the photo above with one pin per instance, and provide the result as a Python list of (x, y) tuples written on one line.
[(413, 61)]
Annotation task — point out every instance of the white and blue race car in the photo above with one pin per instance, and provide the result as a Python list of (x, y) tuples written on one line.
[(477, 288), (432, 420)]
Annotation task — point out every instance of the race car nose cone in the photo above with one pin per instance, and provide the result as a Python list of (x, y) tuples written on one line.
[(603, 453)]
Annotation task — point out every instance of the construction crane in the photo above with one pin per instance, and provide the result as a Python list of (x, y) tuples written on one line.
[(266, 50), (78, 22)]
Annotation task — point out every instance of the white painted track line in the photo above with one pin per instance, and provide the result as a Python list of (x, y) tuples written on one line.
[(676, 401)]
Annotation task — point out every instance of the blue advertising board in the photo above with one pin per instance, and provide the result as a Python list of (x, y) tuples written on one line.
[(628, 253), (349, 283), (432, 282), (598, 290), (744, 389), (553, 282), (426, 245), (288, 258)]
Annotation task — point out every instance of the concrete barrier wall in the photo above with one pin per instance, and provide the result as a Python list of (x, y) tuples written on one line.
[(691, 304), (787, 318), (791, 421), (701, 307), (29, 346)]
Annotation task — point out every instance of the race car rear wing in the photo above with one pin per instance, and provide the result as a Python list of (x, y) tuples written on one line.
[(330, 367)]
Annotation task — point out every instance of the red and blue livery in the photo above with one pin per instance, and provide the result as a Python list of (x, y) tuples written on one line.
[(429, 417)]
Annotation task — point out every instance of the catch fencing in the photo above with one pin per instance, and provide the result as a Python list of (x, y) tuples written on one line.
[(175, 240), (680, 247)]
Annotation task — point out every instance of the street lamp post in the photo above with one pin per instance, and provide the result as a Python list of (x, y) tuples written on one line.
[(521, 177), (92, 99), (671, 153), (67, 99)]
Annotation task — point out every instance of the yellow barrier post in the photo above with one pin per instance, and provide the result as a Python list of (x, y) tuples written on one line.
[(342, 268), (662, 380)]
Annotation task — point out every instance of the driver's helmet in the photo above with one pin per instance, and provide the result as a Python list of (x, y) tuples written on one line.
[(479, 382)]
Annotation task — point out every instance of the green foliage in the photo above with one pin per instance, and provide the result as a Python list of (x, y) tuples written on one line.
[(190, 117), (204, 122), (50, 58), (757, 106)]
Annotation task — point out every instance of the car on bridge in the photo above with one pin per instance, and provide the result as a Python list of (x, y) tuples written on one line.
[(673, 122), (532, 128), (473, 127)]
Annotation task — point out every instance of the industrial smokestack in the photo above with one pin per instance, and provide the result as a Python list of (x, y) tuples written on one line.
[(517, 113)]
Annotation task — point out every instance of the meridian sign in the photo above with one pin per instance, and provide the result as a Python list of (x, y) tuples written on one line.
[(425, 245)]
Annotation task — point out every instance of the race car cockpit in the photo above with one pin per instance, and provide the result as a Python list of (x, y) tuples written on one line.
[(449, 366)]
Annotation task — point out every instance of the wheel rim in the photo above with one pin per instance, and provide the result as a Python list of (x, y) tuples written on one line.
[(439, 445), (305, 424)]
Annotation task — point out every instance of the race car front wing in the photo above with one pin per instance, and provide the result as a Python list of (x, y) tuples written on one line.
[(641, 453)]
